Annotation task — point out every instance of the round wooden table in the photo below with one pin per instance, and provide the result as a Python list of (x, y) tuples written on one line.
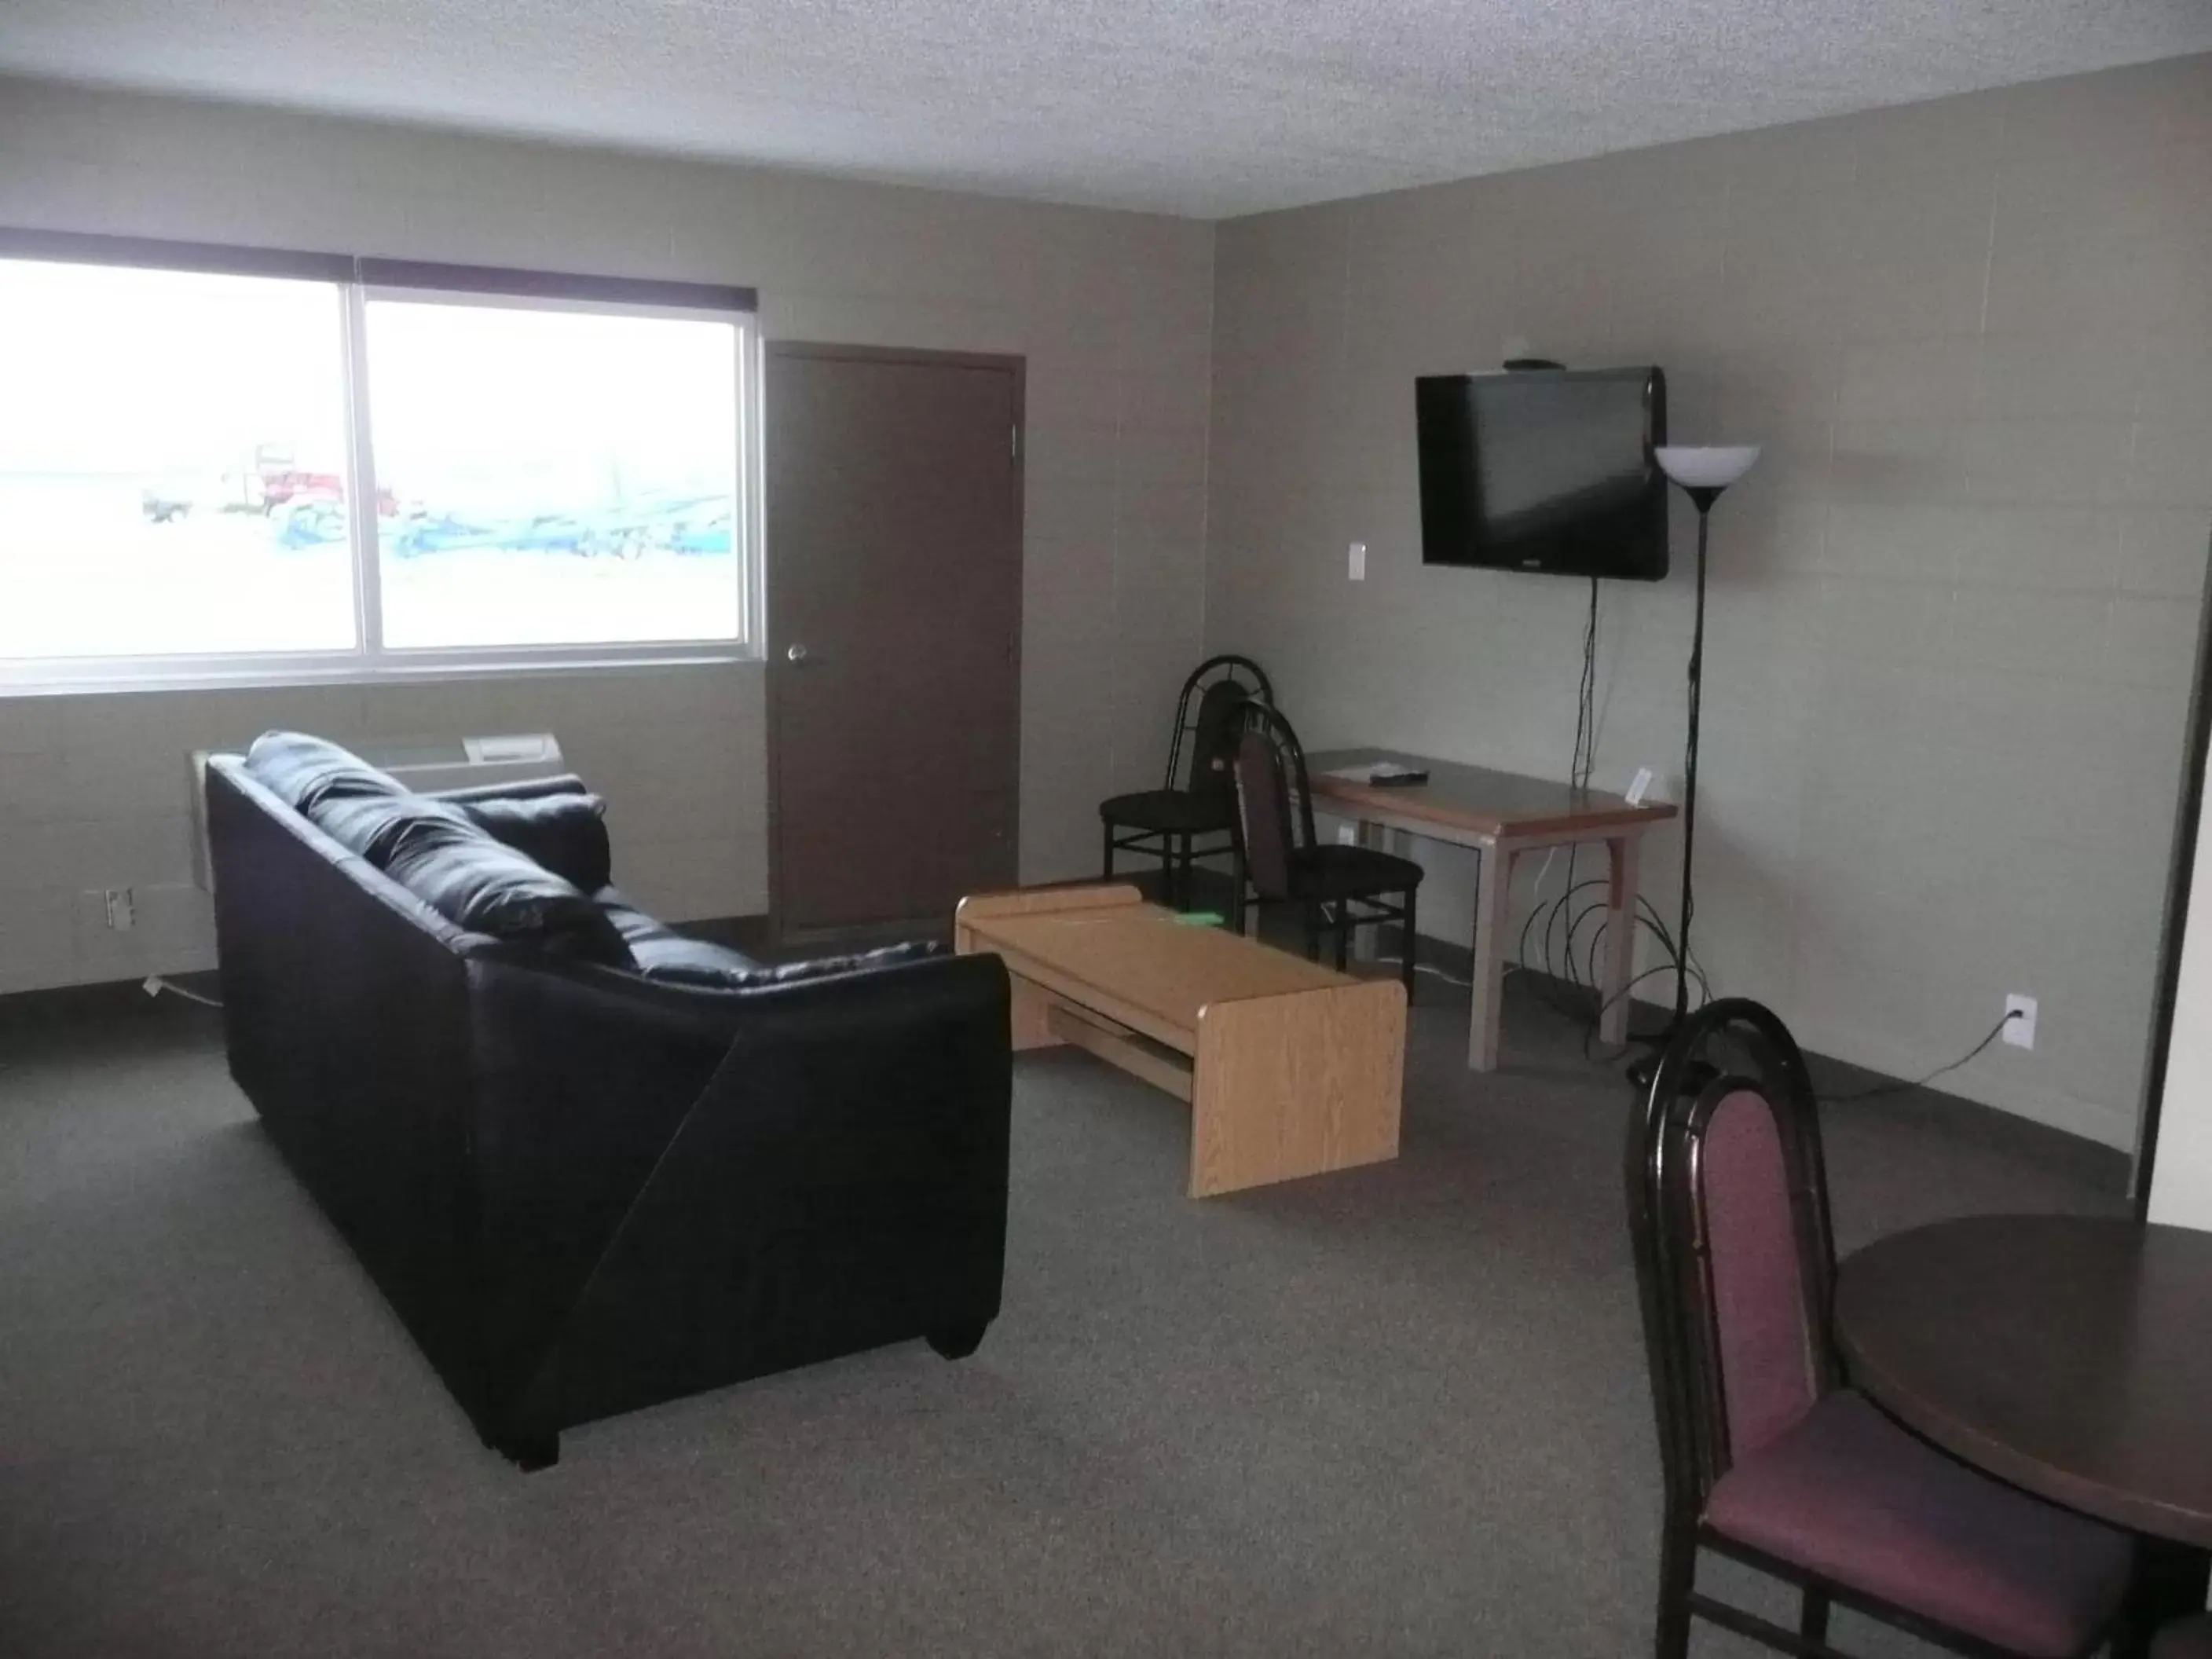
[(2070, 1355)]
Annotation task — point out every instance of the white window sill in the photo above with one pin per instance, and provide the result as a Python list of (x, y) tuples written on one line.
[(82, 679)]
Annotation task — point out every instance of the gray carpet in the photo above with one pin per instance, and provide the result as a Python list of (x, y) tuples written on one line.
[(1397, 1410)]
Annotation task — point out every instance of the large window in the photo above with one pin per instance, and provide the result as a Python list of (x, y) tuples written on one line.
[(300, 467), (148, 421)]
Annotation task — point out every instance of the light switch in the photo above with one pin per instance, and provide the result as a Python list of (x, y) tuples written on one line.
[(1359, 562)]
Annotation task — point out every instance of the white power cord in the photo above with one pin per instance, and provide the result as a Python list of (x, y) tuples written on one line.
[(1424, 967), (155, 985)]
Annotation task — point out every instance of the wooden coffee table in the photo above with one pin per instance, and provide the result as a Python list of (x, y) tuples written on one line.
[(1291, 1069)]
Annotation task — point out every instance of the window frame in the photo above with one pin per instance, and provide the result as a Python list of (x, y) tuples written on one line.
[(360, 281)]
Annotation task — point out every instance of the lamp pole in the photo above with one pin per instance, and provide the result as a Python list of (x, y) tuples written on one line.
[(1702, 473), (1704, 495)]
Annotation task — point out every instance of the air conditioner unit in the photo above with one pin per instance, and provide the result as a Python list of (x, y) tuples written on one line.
[(423, 764)]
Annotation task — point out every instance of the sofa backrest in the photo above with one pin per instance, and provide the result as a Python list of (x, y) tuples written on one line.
[(346, 1008), (440, 850), (527, 869)]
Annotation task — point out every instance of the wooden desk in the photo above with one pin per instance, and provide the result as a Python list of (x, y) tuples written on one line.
[(1291, 1068), (1502, 815)]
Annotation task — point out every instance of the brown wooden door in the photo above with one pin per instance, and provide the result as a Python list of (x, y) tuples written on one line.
[(894, 512)]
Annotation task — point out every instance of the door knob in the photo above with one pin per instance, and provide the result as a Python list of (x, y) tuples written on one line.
[(797, 653)]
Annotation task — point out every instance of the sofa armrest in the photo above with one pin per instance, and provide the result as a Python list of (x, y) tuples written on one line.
[(677, 1189)]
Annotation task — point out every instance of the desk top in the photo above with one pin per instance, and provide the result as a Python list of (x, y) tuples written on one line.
[(2070, 1355), (1140, 953), (1476, 799)]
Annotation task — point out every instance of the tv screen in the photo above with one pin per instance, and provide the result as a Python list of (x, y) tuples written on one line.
[(1544, 470)]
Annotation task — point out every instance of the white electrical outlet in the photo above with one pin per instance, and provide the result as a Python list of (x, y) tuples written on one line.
[(1359, 562), (122, 911), (1347, 835), (2019, 1031)]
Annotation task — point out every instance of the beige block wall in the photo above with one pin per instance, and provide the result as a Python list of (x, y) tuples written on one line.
[(1953, 609), (1111, 311)]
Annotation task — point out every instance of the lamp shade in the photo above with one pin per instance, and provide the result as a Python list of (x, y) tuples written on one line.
[(1710, 466)]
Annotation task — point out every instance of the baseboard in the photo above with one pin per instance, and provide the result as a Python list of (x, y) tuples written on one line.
[(1983, 1125), (104, 1000), (756, 936), (126, 998), (798, 943), (753, 936)]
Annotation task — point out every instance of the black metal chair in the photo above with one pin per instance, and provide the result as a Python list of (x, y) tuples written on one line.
[(1338, 888), (1769, 1457), (1168, 822)]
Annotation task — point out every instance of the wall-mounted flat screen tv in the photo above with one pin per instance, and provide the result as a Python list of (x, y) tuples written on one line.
[(1544, 470)]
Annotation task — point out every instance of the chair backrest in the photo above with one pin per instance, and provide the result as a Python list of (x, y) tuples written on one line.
[(1729, 1210), (1213, 741), (1274, 804), (1188, 744)]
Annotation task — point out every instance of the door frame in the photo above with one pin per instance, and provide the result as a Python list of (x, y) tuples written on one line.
[(772, 646)]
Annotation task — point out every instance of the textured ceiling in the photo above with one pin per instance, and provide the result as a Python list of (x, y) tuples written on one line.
[(1207, 107)]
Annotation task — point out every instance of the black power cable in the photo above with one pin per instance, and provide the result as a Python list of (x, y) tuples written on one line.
[(1585, 760), (1881, 1089), (1559, 924), (1579, 767), (1679, 962), (1579, 771)]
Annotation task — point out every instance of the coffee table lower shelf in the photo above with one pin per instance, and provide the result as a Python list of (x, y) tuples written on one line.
[(1290, 1069)]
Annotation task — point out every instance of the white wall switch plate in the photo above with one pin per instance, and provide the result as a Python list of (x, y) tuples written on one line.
[(2020, 1032), (1347, 835), (122, 912), (1641, 786), (1359, 562)]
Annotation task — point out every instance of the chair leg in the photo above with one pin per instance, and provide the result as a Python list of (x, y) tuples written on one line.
[(1812, 1616), (1343, 933), (1190, 897), (530, 1452), (1313, 932), (1412, 943), (1677, 1576), (1108, 871)]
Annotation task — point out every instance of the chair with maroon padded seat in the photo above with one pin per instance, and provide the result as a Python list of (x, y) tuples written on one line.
[(1337, 888), (2190, 1640), (1769, 1457)]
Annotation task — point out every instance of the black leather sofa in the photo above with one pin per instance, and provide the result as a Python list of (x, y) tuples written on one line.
[(594, 1173)]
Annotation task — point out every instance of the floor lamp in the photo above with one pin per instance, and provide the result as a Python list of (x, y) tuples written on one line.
[(1701, 473)]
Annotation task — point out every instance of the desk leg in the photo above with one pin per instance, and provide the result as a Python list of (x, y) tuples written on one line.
[(1364, 941), (1619, 940), (1493, 904)]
